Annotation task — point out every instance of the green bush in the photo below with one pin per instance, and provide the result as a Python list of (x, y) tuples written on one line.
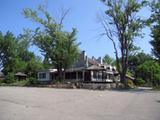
[(32, 81), (19, 83), (140, 81), (9, 78), (1, 81)]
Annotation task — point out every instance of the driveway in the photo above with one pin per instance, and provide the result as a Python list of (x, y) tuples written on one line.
[(20, 103)]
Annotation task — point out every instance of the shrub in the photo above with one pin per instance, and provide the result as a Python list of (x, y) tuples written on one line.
[(32, 81), (9, 78), (140, 81), (19, 83)]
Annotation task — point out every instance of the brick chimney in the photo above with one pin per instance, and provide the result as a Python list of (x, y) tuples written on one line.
[(83, 55)]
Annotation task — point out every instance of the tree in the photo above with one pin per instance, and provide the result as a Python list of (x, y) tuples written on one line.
[(15, 55), (150, 72), (23, 44), (155, 28), (136, 60), (58, 46), (8, 47), (122, 24), (108, 60), (33, 66), (28, 60)]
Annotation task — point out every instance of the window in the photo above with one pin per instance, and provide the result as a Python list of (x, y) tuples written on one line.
[(42, 75)]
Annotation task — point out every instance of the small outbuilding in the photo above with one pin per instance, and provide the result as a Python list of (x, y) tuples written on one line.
[(20, 76)]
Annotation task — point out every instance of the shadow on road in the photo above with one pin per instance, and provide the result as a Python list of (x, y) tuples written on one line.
[(158, 101), (138, 90)]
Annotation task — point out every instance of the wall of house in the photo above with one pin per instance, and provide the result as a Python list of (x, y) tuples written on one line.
[(47, 78)]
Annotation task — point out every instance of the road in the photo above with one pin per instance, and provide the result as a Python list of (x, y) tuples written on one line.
[(22, 103)]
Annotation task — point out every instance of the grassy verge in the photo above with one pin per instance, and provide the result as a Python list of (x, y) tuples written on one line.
[(156, 88), (21, 83)]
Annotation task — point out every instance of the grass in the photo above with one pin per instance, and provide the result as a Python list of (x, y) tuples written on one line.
[(21, 83), (157, 88)]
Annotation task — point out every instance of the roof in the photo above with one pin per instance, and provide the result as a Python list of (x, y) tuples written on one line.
[(110, 72), (75, 69), (20, 74), (95, 67), (93, 62), (48, 70)]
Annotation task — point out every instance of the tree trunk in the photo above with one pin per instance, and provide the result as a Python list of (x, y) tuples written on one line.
[(123, 78), (60, 74)]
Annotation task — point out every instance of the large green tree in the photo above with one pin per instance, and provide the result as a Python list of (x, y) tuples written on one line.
[(28, 60), (59, 47), (122, 24), (8, 48), (155, 27), (150, 72), (136, 60), (16, 57), (108, 60)]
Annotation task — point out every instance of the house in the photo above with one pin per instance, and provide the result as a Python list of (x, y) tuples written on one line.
[(46, 75), (85, 69)]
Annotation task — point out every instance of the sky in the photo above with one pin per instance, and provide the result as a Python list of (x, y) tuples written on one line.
[(82, 15)]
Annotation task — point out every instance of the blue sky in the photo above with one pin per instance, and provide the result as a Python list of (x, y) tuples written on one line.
[(82, 15)]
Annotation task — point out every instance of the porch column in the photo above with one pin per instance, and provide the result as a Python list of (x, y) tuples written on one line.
[(91, 72), (76, 76), (102, 76)]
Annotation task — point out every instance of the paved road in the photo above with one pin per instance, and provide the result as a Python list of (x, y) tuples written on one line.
[(18, 103)]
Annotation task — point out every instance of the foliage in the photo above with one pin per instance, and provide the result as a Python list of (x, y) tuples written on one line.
[(122, 23), (108, 60), (33, 66), (156, 41), (9, 78), (136, 60), (31, 82), (19, 83), (154, 23), (12, 82), (150, 72), (7, 52), (58, 47), (140, 81), (15, 56)]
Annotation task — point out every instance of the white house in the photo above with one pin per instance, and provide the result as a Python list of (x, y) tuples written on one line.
[(84, 69), (45, 75)]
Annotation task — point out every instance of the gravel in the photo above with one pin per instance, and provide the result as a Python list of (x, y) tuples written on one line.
[(22, 103)]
